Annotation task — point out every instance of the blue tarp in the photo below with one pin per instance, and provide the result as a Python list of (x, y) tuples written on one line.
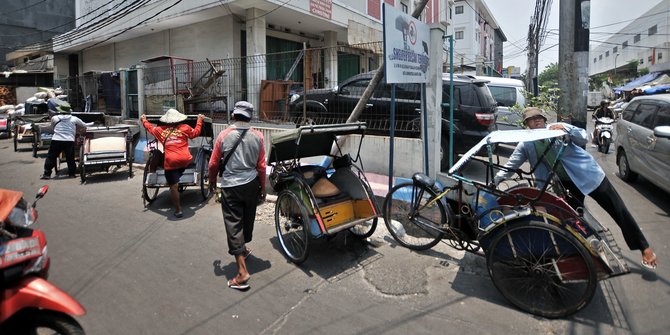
[(638, 82), (657, 89)]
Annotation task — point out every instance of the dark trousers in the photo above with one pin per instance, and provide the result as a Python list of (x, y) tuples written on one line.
[(55, 149), (607, 197), (238, 204)]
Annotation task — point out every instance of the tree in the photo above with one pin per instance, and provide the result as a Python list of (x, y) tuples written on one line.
[(549, 76)]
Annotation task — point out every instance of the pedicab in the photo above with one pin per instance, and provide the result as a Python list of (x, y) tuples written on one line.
[(104, 147), (319, 200), (543, 255), (195, 174), (25, 127)]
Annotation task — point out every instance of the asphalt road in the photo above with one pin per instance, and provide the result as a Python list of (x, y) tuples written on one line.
[(138, 271)]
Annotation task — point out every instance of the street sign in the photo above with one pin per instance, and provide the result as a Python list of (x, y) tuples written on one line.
[(406, 49)]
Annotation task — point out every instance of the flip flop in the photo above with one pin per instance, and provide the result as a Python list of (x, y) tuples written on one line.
[(233, 283)]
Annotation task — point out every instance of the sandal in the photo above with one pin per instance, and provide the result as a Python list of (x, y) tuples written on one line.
[(233, 283)]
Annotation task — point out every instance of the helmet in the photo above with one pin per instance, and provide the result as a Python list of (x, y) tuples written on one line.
[(604, 102)]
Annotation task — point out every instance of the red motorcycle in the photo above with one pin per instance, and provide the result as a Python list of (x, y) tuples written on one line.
[(28, 302)]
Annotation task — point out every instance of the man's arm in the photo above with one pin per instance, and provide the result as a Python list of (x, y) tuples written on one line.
[(577, 135), (517, 158)]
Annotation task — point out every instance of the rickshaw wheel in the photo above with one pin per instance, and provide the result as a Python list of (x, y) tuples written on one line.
[(82, 172), (365, 229), (130, 169), (149, 194), (204, 179), (416, 232), (16, 141), (542, 269), (34, 146), (292, 223)]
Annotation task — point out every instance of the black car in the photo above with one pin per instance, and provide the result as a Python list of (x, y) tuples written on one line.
[(474, 110)]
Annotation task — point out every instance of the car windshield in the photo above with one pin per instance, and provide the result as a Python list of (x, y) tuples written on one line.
[(505, 96)]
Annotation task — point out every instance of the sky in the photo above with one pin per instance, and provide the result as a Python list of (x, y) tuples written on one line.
[(513, 16)]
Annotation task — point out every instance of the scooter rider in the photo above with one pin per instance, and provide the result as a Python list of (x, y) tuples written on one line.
[(602, 111)]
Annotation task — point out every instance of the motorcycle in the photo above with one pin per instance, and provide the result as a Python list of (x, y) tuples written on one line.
[(603, 133), (29, 304)]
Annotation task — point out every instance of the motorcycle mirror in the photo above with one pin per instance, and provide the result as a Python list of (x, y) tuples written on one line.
[(42, 191)]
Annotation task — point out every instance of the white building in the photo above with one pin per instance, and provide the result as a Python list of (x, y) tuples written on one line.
[(645, 40), (477, 39)]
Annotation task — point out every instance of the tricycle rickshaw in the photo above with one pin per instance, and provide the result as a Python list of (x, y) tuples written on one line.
[(196, 174), (25, 128), (104, 147), (544, 256), (302, 213)]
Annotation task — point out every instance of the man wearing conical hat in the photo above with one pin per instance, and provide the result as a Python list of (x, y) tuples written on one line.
[(64, 128), (174, 135)]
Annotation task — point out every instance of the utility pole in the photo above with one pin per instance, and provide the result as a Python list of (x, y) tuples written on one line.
[(573, 52)]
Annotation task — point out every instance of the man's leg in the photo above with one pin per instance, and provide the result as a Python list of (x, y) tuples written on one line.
[(49, 163), (607, 197), (68, 147), (174, 196), (232, 205)]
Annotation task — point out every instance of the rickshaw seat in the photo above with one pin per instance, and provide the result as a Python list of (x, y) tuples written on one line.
[(342, 196)]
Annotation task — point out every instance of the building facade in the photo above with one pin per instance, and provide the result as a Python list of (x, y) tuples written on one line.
[(645, 40), (478, 39)]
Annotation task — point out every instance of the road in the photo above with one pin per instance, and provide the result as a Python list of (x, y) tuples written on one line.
[(138, 271)]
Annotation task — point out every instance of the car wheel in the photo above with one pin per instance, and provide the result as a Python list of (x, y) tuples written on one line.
[(625, 173)]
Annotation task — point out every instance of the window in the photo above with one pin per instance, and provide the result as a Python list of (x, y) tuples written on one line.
[(355, 88), (615, 50), (644, 115), (659, 55), (607, 53), (649, 58), (458, 35), (506, 96), (595, 59), (600, 57), (628, 112), (663, 116), (653, 30), (404, 8), (459, 10), (624, 45), (641, 60), (636, 38)]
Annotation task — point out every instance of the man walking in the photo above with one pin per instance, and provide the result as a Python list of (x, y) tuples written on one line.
[(238, 158)]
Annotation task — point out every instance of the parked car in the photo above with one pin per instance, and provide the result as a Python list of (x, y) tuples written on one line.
[(5, 130), (510, 97), (643, 140), (474, 110)]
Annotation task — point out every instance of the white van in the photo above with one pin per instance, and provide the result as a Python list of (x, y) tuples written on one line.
[(508, 93)]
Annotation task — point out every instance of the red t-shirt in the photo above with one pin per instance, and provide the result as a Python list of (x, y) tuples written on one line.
[(177, 154)]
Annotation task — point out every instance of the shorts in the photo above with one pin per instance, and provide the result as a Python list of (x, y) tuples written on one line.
[(172, 176)]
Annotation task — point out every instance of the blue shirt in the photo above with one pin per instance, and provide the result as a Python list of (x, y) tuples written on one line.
[(580, 166)]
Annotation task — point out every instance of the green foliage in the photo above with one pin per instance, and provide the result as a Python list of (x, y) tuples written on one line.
[(643, 71), (549, 76)]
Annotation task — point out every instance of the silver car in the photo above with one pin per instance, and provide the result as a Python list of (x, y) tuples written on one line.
[(643, 140)]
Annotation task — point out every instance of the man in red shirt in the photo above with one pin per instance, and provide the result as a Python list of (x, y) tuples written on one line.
[(174, 136)]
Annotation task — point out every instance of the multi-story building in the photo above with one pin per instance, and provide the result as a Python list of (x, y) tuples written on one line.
[(645, 40), (478, 39), (27, 27)]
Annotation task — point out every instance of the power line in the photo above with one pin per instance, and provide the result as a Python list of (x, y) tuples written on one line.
[(136, 25)]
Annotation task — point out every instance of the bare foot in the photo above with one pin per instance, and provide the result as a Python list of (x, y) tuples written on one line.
[(649, 258)]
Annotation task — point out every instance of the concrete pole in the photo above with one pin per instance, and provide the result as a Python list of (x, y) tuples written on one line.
[(330, 59), (433, 133), (256, 50), (573, 52)]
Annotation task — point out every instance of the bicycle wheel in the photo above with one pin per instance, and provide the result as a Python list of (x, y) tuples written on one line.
[(148, 193), (292, 223), (542, 269), (411, 222), (204, 177)]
